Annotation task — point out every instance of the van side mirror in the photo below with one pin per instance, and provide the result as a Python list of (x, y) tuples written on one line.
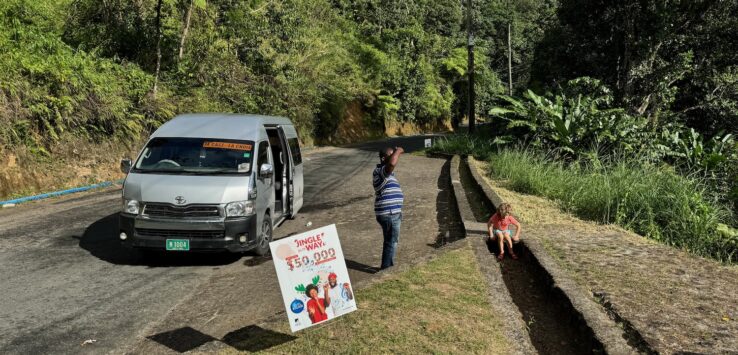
[(125, 165), (266, 171)]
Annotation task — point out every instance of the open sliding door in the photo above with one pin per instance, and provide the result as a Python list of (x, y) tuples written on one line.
[(295, 170)]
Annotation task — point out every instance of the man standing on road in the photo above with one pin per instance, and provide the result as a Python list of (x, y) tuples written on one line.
[(388, 202)]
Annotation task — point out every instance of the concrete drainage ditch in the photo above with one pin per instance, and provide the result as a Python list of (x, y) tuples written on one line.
[(556, 321), (555, 327)]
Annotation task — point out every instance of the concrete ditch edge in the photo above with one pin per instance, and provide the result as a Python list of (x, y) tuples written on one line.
[(605, 329), (499, 296)]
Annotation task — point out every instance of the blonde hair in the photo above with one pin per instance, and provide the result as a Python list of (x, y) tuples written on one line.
[(504, 209)]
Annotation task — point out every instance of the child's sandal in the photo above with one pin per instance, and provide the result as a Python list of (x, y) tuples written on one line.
[(500, 257), (514, 256)]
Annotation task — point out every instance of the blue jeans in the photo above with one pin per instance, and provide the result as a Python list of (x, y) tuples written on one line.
[(391, 231)]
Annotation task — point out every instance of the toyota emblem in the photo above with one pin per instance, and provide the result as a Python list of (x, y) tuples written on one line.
[(180, 200)]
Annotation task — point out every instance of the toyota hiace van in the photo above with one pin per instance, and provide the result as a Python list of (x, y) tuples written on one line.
[(212, 182)]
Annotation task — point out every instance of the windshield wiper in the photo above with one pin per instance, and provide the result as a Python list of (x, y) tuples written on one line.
[(169, 171), (187, 171), (211, 172)]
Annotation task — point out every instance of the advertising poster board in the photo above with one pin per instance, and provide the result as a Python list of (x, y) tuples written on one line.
[(313, 277)]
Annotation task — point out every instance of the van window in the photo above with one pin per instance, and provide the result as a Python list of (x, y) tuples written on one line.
[(195, 156), (295, 150), (263, 154)]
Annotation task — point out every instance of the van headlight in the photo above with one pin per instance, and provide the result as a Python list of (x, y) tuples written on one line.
[(239, 209), (131, 206)]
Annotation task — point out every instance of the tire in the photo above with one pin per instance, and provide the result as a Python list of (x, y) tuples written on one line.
[(265, 236)]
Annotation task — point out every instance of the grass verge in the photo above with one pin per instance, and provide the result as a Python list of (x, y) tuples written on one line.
[(653, 201), (438, 307)]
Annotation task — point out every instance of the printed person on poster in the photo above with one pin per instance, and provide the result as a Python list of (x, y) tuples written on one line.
[(309, 267), (340, 295), (316, 306)]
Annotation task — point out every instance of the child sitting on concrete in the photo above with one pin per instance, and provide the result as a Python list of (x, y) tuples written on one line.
[(499, 229)]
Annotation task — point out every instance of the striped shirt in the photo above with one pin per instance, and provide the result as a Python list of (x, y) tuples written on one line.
[(388, 194)]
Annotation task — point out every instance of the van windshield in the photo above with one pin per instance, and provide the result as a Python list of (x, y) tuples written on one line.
[(196, 156)]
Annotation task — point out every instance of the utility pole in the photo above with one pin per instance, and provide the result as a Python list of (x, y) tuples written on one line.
[(470, 69), (509, 60), (158, 46)]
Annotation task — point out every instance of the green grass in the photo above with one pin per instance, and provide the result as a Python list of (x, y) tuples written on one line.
[(464, 145), (653, 201), (438, 307)]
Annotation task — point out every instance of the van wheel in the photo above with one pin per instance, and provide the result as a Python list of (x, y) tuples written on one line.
[(265, 236)]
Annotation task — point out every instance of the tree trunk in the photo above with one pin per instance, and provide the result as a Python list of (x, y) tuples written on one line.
[(624, 71), (158, 46), (185, 30), (509, 61), (470, 66)]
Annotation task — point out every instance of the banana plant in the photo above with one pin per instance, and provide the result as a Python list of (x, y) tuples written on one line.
[(690, 149), (572, 122)]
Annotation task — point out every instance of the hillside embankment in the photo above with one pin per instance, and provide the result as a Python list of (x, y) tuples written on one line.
[(70, 163)]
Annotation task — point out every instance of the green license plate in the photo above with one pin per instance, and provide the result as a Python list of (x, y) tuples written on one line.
[(178, 244)]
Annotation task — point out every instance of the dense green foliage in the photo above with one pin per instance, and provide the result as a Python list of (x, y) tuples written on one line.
[(580, 121), (48, 89), (580, 118), (528, 21), (88, 68), (657, 78), (665, 59), (576, 120)]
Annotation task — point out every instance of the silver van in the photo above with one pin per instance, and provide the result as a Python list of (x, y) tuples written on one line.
[(212, 182)]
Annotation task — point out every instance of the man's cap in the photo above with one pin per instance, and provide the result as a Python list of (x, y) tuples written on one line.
[(332, 275)]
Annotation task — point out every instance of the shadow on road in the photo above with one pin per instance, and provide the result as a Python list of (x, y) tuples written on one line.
[(182, 339), (257, 260), (251, 338), (409, 144), (101, 240), (450, 228), (355, 265)]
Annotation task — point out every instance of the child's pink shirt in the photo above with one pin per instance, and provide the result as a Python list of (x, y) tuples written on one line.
[(502, 223)]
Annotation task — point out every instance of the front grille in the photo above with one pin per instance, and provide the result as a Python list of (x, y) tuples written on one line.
[(171, 211), (174, 233)]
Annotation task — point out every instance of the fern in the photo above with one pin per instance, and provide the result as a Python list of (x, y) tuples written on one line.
[(522, 123)]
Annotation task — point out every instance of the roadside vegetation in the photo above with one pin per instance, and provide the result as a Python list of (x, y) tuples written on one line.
[(652, 201), (667, 183), (654, 83), (118, 69), (629, 116), (76, 75), (418, 311)]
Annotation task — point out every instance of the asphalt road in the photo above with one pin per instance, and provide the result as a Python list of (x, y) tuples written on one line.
[(66, 279)]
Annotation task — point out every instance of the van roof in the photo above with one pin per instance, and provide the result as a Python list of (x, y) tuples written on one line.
[(218, 125)]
